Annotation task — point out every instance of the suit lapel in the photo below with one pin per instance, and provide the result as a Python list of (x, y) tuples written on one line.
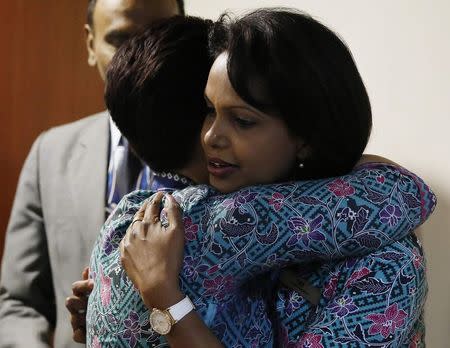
[(87, 172)]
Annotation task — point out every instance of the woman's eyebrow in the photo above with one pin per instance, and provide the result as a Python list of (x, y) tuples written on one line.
[(253, 111), (238, 107)]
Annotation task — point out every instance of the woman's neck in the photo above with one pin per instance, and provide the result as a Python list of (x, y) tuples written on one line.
[(195, 168), (197, 175)]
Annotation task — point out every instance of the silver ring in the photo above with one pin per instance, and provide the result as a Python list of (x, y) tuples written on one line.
[(135, 220)]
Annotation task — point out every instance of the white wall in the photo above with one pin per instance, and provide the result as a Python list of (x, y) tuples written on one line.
[(402, 49)]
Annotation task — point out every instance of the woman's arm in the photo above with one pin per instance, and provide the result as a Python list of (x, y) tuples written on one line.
[(377, 300), (191, 332), (265, 227), (152, 256)]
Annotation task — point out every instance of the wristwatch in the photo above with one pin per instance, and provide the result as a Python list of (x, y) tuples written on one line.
[(162, 321)]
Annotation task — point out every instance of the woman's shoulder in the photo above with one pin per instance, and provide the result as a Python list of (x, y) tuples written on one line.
[(369, 158)]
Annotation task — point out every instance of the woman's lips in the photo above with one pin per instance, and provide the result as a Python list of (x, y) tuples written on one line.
[(219, 168)]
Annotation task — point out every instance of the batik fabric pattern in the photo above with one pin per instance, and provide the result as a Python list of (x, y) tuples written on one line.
[(376, 300), (230, 239)]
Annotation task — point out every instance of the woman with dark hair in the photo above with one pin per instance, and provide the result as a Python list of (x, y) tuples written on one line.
[(265, 126)]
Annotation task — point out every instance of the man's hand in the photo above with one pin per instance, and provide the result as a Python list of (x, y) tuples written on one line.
[(77, 305)]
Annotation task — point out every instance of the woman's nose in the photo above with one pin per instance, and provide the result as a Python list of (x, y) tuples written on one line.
[(215, 133)]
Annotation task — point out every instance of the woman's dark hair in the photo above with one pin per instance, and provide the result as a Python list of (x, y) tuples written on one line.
[(284, 61), (154, 90)]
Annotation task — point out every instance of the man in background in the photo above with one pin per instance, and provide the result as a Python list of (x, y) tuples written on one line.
[(72, 178)]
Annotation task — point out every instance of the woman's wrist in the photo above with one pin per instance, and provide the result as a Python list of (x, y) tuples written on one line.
[(163, 298)]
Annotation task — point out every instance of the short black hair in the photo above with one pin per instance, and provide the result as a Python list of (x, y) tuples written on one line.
[(285, 61), (92, 3), (155, 90)]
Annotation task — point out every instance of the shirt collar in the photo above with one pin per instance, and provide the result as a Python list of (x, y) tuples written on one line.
[(115, 136)]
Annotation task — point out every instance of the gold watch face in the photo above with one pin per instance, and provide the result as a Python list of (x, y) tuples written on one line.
[(160, 322)]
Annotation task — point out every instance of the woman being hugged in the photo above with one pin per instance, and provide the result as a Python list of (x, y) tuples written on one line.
[(286, 103)]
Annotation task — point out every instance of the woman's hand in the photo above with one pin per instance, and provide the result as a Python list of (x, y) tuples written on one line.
[(152, 255), (77, 305)]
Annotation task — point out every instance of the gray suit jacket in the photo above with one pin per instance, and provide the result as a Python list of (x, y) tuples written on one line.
[(57, 213)]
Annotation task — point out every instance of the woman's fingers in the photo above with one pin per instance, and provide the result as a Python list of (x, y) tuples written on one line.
[(135, 227), (122, 252), (79, 335), (77, 308), (140, 213), (82, 287), (174, 216), (153, 209), (76, 305), (78, 322), (85, 273), (126, 239)]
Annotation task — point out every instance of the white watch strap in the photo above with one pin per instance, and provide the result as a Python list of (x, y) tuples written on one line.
[(180, 309)]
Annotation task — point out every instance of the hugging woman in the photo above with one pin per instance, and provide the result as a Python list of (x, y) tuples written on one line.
[(282, 126)]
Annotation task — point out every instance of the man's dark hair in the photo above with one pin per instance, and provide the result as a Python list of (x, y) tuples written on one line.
[(92, 3), (285, 62), (155, 90)]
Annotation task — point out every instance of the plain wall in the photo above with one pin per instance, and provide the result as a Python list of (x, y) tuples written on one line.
[(44, 80), (402, 49)]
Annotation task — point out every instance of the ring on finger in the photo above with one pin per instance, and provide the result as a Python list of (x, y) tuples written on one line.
[(135, 220)]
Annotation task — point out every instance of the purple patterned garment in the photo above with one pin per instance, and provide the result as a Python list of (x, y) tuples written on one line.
[(373, 300), (231, 239)]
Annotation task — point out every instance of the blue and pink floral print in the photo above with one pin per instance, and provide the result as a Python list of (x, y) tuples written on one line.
[(357, 227)]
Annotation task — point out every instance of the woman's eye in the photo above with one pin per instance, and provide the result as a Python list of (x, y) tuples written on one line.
[(210, 112), (243, 122)]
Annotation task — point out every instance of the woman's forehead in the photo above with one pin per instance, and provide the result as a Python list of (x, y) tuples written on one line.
[(220, 91)]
